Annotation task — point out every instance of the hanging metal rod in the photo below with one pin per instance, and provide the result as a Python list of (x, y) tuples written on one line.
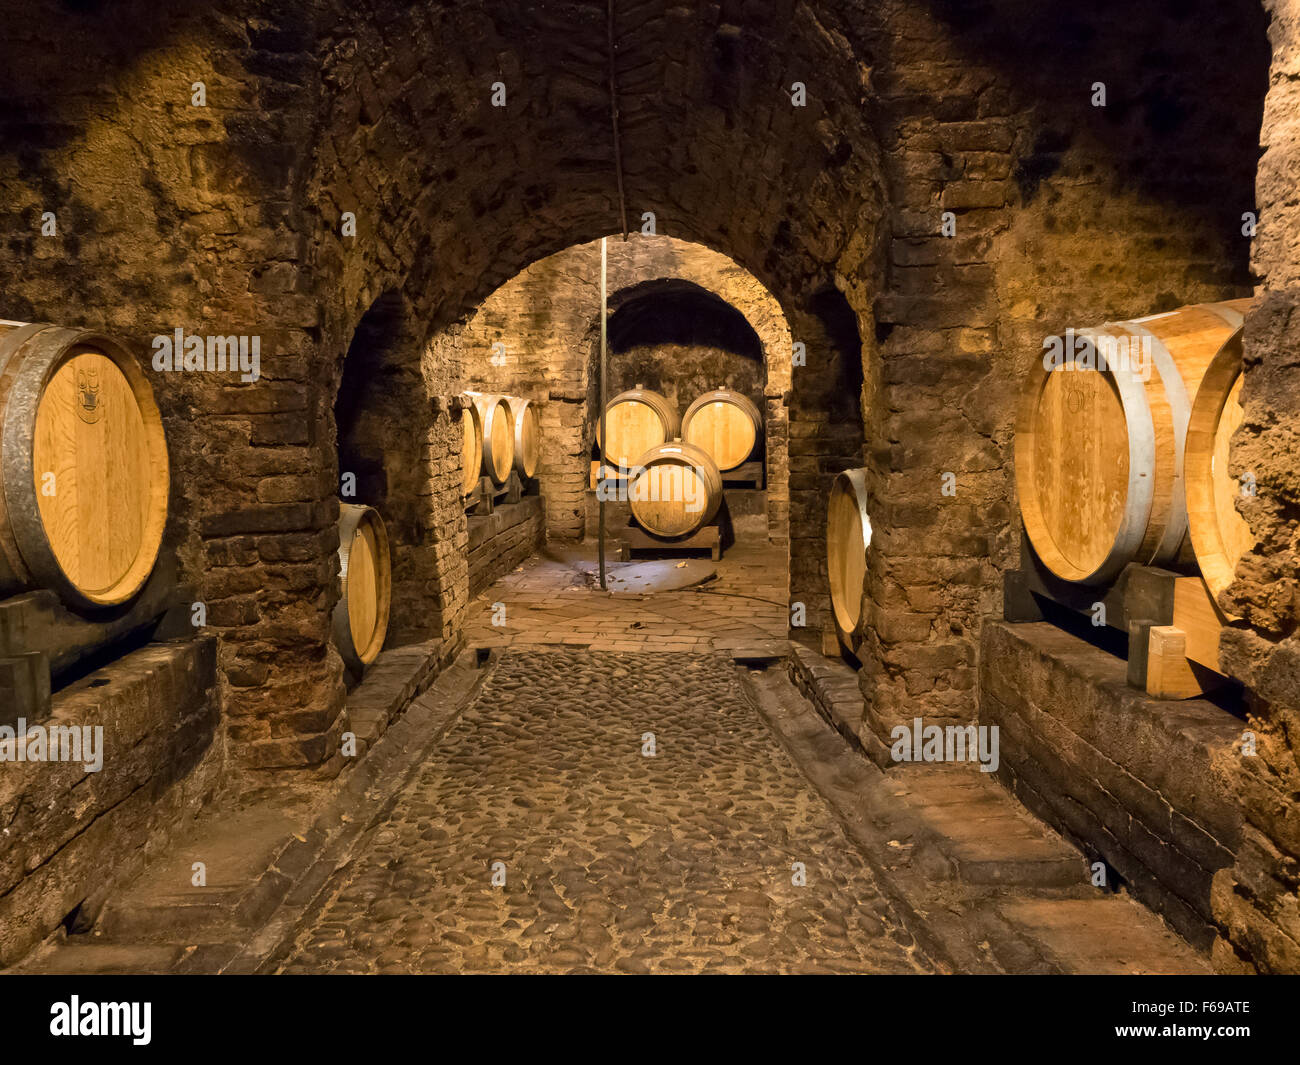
[(613, 116)]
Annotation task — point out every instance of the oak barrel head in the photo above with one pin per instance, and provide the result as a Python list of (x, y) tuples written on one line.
[(724, 423), (85, 468)]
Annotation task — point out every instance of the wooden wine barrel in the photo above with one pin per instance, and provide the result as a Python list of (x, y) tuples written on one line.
[(83, 464), (471, 455), (1099, 451), (848, 535), (498, 435), (528, 436), (638, 420), (1220, 535), (726, 424), (676, 491), (361, 614)]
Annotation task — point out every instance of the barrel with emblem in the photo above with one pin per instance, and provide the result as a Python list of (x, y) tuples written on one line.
[(83, 466)]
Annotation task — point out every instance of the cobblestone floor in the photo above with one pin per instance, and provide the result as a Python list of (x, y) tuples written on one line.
[(614, 861)]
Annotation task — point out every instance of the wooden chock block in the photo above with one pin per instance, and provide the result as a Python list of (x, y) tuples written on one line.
[(24, 688), (1018, 602), (1170, 675)]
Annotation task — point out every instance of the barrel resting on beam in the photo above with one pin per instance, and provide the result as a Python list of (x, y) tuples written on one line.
[(1172, 624)]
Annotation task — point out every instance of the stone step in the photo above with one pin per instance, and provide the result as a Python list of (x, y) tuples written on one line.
[(984, 832), (267, 854), (254, 852), (987, 837), (984, 886), (243, 854), (1108, 935), (107, 959)]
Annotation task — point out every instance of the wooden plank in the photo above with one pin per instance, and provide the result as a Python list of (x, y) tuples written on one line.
[(1197, 615), (749, 473), (706, 539)]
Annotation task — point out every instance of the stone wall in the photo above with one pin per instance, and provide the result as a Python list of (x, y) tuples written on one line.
[(1258, 899), (1065, 213), (500, 541)]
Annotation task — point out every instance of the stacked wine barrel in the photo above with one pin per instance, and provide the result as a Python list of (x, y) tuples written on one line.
[(502, 433), (726, 424), (676, 490), (83, 466), (360, 620), (1123, 460), (636, 420), (677, 461)]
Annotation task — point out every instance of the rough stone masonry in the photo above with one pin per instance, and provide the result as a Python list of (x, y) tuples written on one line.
[(917, 192)]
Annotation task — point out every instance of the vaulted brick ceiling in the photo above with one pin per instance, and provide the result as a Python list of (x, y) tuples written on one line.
[(710, 140)]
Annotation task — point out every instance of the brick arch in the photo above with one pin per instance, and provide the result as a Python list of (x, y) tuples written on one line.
[(456, 197), (385, 429), (548, 318)]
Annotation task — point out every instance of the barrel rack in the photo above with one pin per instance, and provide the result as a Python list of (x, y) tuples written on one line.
[(1172, 624), (487, 496), (747, 475), (41, 640), (707, 538)]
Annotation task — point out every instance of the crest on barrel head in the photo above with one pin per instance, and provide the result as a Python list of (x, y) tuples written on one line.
[(90, 403)]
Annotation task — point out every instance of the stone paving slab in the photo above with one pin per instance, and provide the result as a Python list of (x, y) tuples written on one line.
[(549, 599)]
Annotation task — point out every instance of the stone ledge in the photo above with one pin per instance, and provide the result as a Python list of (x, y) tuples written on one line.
[(71, 835), (270, 851), (1140, 783), (832, 686), (395, 678)]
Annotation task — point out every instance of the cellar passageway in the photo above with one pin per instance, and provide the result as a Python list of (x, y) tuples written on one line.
[(369, 658), (614, 782)]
